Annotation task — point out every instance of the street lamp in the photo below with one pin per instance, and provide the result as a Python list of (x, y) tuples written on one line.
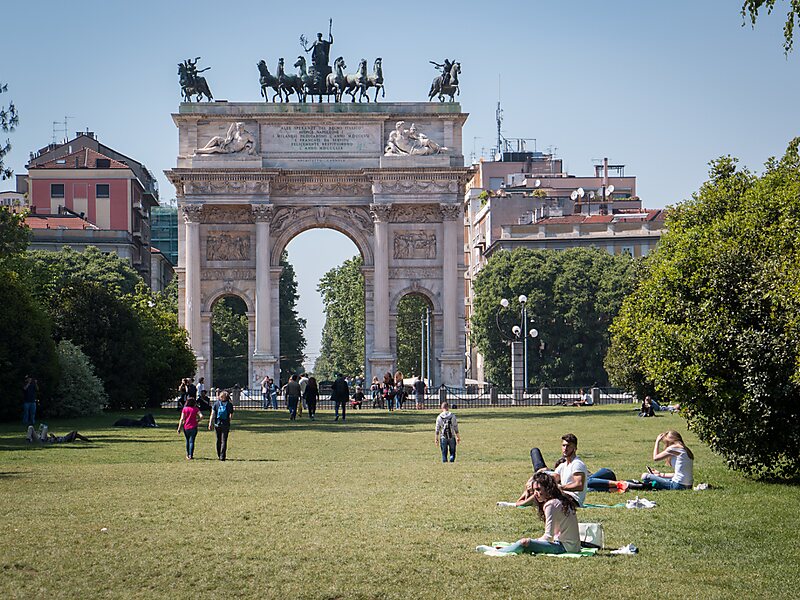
[(521, 333)]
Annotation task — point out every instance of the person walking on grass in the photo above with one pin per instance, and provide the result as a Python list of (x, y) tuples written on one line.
[(220, 422), (340, 394), (311, 396), (446, 434), (291, 391), (190, 415), (557, 509)]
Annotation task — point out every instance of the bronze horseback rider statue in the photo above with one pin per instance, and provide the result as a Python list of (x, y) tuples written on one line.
[(192, 84), (445, 84)]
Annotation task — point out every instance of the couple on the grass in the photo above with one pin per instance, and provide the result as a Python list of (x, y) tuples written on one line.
[(219, 421), (557, 496)]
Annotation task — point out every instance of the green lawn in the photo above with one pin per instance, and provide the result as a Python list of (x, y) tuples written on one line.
[(366, 510)]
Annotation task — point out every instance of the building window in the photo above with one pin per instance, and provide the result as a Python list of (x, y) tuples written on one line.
[(56, 190), (102, 190), (103, 163), (627, 250)]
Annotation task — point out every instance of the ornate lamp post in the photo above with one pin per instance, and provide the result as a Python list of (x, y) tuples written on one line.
[(519, 349)]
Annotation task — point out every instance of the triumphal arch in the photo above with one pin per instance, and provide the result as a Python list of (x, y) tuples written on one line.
[(390, 176)]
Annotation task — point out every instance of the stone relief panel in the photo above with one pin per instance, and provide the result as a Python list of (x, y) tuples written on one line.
[(228, 245), (321, 187), (227, 214), (226, 186), (228, 274), (415, 186), (414, 244), (419, 213)]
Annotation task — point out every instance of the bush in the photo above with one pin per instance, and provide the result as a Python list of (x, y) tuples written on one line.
[(79, 392)]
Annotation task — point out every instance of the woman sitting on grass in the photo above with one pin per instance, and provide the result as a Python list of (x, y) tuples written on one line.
[(678, 456), (558, 511)]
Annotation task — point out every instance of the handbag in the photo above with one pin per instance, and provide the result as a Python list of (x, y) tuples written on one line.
[(591, 535)]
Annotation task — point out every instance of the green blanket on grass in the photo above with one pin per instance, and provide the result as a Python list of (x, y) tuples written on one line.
[(582, 553)]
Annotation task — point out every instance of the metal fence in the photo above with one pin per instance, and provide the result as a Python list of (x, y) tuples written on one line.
[(471, 397)]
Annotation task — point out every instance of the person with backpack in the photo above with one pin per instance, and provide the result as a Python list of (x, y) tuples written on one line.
[(446, 434), (220, 422)]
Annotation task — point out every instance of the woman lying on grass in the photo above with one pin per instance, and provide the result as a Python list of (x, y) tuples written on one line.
[(678, 456), (557, 510)]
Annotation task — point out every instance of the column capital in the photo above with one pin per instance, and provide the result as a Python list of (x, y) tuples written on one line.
[(262, 213), (192, 213), (380, 212), (451, 212)]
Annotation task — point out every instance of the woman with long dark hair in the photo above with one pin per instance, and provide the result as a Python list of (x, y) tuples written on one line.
[(558, 512), (311, 396), (190, 414)]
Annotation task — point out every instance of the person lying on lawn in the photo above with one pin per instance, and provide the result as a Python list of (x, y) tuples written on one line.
[(557, 510), (43, 437)]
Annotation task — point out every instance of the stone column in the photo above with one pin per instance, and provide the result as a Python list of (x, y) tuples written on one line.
[(382, 359), (453, 357), (263, 360), (191, 218)]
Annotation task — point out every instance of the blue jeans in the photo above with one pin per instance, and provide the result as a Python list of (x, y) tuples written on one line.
[(274, 401), (343, 404), (29, 413), (190, 434), (598, 481), (534, 547), (448, 444), (292, 402), (662, 483)]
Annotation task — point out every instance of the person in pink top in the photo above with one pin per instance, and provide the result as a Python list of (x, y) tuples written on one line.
[(557, 510), (189, 417)]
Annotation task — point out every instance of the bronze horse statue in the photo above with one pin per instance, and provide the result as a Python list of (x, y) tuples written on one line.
[(441, 89), (357, 82), (267, 80), (290, 84), (376, 79), (337, 81), (193, 85)]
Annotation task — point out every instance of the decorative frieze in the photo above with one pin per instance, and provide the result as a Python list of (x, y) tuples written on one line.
[(192, 213), (414, 244), (416, 213), (228, 245), (263, 213), (220, 214), (228, 186), (321, 186), (415, 185), (380, 212)]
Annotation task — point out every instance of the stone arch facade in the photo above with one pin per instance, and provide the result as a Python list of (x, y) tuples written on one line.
[(325, 167)]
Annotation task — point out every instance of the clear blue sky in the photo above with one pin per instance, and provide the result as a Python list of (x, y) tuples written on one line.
[(662, 87)]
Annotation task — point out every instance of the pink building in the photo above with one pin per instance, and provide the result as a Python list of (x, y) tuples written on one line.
[(109, 190)]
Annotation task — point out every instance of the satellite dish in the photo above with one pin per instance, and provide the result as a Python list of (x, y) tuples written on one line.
[(581, 193), (537, 183), (574, 195), (609, 190)]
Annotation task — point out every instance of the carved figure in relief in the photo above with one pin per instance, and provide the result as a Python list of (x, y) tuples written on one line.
[(238, 139), (415, 245), (410, 142), (227, 246)]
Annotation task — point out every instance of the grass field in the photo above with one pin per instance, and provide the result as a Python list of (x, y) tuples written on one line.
[(366, 510)]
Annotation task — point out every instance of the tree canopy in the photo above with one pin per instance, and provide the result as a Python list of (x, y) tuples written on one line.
[(9, 119), (293, 339), (751, 9), (572, 296), (342, 346), (714, 323)]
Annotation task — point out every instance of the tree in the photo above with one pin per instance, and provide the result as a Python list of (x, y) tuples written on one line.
[(79, 392), (9, 119), (572, 298), (342, 346), (14, 235), (410, 312), (26, 346), (229, 327), (751, 8), (293, 340), (714, 323)]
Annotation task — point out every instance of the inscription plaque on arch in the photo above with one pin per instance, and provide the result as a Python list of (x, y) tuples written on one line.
[(321, 139)]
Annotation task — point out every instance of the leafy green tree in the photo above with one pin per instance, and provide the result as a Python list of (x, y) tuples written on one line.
[(165, 345), (714, 323), (229, 328), (107, 329), (26, 346), (9, 119), (572, 298), (293, 340), (14, 235), (79, 392), (751, 8), (410, 313), (342, 347)]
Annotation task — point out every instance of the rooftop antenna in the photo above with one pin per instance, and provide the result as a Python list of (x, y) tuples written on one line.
[(499, 117), (61, 127)]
